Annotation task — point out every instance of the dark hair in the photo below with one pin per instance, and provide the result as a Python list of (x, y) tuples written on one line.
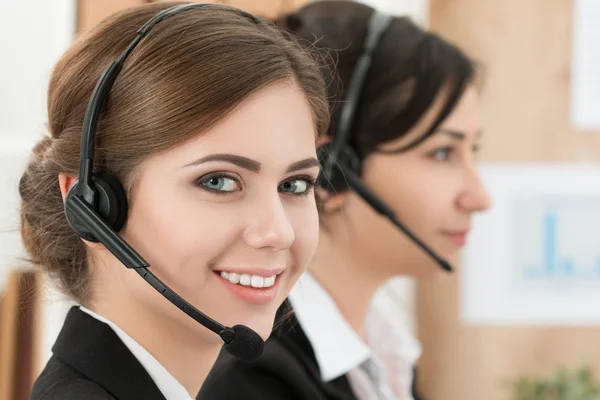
[(184, 77), (410, 68)]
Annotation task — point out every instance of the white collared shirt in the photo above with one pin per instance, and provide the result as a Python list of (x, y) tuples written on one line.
[(167, 384), (381, 368)]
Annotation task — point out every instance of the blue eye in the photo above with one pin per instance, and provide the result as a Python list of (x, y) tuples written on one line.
[(297, 186), (441, 154), (219, 183)]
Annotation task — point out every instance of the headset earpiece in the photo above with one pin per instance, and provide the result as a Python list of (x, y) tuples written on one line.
[(332, 178), (338, 151), (111, 204)]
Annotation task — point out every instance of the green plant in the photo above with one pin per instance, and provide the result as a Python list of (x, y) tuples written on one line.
[(562, 384)]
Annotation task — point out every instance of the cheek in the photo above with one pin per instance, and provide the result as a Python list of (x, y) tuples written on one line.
[(419, 196), (177, 235), (421, 203), (413, 203)]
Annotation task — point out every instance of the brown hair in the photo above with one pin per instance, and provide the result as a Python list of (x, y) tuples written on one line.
[(187, 74)]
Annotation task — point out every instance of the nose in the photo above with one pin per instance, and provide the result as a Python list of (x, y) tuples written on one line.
[(269, 226), (475, 196)]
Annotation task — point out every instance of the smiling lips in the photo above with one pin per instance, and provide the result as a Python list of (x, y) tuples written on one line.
[(258, 286)]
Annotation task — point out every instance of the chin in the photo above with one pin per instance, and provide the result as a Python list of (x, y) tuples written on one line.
[(455, 259), (263, 328), (439, 274), (265, 333)]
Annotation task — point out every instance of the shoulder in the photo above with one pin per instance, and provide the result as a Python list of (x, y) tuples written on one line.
[(275, 375), (58, 381)]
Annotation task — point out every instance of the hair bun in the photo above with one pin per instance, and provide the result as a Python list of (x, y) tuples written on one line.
[(42, 147)]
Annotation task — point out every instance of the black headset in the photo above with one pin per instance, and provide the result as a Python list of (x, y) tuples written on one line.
[(341, 164), (96, 204)]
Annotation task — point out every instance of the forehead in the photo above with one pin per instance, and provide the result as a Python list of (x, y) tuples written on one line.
[(465, 115), (275, 123)]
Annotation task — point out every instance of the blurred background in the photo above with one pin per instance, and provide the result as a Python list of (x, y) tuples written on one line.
[(526, 299)]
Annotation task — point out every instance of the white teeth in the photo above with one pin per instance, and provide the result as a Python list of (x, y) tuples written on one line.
[(234, 278), (270, 281), (245, 279), (256, 281)]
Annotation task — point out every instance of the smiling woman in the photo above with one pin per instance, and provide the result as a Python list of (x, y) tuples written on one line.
[(210, 128)]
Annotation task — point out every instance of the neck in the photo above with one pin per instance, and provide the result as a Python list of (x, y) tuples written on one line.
[(347, 279), (186, 357)]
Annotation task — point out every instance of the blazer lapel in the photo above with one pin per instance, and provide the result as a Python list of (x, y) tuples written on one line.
[(94, 349)]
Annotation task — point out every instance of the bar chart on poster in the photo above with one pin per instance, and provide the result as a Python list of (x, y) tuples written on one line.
[(534, 258), (557, 242), (554, 265)]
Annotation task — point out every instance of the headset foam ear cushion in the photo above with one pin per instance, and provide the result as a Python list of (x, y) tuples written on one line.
[(115, 196), (111, 205), (332, 176)]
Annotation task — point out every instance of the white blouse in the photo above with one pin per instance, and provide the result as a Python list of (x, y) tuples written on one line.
[(380, 368)]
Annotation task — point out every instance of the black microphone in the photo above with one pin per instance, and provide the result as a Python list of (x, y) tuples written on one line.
[(370, 198), (240, 341)]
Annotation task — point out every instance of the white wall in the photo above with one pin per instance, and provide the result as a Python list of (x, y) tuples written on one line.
[(33, 34), (416, 9)]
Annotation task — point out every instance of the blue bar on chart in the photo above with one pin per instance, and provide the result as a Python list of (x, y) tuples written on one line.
[(553, 265)]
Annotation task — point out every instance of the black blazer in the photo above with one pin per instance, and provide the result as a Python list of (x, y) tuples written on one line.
[(90, 362), (288, 369)]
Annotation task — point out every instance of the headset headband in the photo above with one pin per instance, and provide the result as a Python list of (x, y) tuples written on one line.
[(100, 95), (378, 23)]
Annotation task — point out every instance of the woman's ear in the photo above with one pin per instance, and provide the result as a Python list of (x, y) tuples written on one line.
[(65, 181)]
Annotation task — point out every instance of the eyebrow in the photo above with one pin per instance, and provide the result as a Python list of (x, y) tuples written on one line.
[(242, 162), (458, 135), (303, 164), (253, 165)]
